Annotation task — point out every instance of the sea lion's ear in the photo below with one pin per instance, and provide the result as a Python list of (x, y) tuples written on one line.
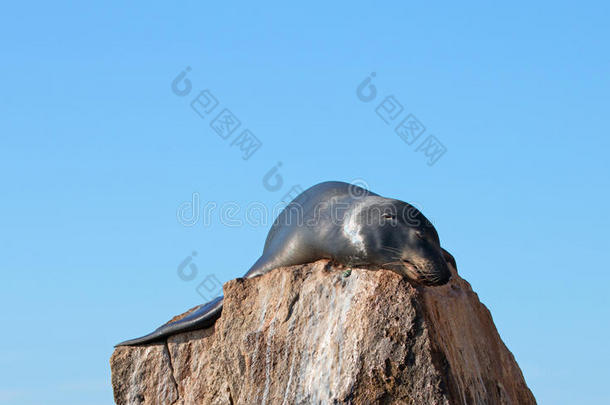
[(449, 258)]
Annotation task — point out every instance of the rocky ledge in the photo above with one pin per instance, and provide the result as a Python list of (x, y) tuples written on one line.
[(315, 334)]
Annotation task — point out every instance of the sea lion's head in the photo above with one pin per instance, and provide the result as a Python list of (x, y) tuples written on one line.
[(398, 237)]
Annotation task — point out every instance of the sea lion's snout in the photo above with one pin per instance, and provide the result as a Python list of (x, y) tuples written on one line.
[(438, 271), (428, 272), (438, 277)]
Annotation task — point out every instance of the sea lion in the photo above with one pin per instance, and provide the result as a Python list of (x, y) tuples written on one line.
[(346, 224)]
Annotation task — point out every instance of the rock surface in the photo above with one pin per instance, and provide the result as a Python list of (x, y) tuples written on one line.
[(311, 334)]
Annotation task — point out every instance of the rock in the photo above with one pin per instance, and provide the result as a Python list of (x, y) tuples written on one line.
[(312, 334)]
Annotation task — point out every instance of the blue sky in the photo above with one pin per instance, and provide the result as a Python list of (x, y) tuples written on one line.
[(98, 154)]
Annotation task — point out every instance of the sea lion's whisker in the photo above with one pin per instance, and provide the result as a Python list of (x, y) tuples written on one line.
[(395, 262), (391, 249)]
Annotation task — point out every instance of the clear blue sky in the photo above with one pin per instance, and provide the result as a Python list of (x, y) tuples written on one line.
[(98, 154)]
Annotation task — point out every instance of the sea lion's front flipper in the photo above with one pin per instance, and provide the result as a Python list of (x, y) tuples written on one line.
[(203, 317)]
